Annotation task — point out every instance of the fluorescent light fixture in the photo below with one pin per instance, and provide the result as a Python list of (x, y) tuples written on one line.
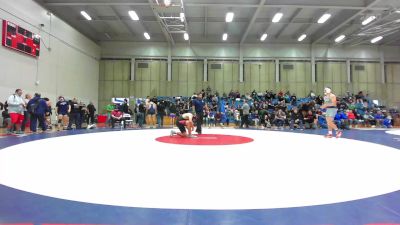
[(340, 38), (133, 15), (368, 20), (186, 36), (84, 14), (167, 2), (182, 16), (224, 36), (146, 35), (277, 17), (373, 41), (324, 18), (229, 17), (397, 11), (302, 37), (263, 37)]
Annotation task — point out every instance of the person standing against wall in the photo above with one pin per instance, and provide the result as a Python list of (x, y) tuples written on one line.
[(330, 105), (62, 110), (246, 112), (16, 107), (151, 113), (92, 110), (37, 108), (199, 106), (26, 121)]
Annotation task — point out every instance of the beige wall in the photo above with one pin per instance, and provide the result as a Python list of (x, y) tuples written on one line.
[(225, 79), (187, 78), (259, 76), (296, 81), (368, 80), (393, 85), (68, 64), (333, 75)]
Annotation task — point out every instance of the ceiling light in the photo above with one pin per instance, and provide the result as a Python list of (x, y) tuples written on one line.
[(324, 18), (263, 37), (146, 35), (397, 11), (229, 17), (84, 14), (373, 41), (186, 36), (133, 15), (224, 36), (277, 17), (182, 16), (368, 20), (167, 2), (340, 38), (302, 37)]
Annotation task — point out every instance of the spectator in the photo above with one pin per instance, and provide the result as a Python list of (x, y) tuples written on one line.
[(246, 113), (352, 118), (63, 108), (16, 106), (117, 115), (91, 111), (310, 120), (26, 113), (280, 118), (37, 108), (296, 119)]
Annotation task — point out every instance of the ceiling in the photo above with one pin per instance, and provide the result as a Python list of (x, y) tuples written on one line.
[(205, 20)]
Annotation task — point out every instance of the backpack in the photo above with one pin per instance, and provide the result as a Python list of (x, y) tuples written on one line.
[(33, 107), (152, 110)]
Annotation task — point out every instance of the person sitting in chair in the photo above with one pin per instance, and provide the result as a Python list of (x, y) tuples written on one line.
[(117, 115)]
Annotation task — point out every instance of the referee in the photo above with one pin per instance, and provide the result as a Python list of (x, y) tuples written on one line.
[(199, 105)]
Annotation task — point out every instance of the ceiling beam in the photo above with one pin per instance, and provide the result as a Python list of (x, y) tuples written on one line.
[(294, 15), (253, 19), (215, 5), (121, 21), (270, 22), (368, 39), (337, 27), (200, 20), (167, 35), (356, 40), (397, 39), (185, 21)]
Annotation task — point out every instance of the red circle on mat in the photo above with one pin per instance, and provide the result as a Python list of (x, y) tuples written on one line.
[(206, 139)]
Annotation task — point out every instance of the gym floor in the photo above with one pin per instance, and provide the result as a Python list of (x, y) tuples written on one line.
[(225, 176)]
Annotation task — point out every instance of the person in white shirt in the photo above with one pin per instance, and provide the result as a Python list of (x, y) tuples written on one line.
[(16, 107)]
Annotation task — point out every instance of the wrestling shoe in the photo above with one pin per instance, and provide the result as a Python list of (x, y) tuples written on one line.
[(172, 133), (339, 134), (328, 136)]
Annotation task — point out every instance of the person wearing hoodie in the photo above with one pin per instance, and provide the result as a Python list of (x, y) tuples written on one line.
[(37, 108)]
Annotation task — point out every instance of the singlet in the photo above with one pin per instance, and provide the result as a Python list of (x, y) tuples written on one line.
[(328, 100)]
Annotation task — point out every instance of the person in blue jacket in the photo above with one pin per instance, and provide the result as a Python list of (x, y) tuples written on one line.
[(37, 108)]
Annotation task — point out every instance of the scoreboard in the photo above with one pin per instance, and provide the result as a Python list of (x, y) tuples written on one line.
[(20, 39)]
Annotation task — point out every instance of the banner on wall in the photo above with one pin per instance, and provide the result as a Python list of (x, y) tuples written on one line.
[(119, 101)]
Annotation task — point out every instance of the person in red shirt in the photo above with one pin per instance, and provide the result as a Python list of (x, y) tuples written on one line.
[(352, 118), (117, 115)]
